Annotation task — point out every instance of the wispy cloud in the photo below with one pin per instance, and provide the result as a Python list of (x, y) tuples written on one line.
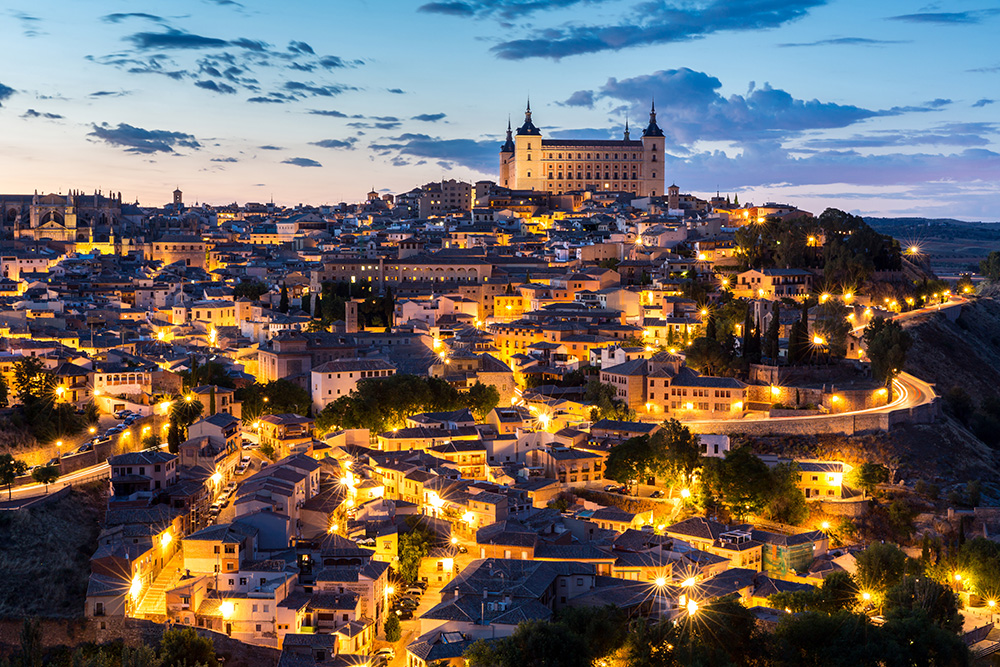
[(983, 102), (5, 93), (845, 41), (581, 98), (31, 113), (953, 18), (408, 149), (138, 140), (301, 162), (948, 134), (504, 9), (30, 25), (654, 22), (347, 144), (429, 117)]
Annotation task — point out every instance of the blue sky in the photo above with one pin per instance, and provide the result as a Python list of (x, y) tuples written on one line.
[(884, 108)]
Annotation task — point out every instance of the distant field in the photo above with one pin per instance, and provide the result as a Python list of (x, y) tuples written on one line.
[(953, 246)]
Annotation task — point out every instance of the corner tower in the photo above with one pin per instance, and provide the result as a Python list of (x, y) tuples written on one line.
[(527, 173), (653, 167)]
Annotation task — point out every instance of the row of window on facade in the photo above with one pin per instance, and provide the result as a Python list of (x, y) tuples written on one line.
[(607, 176)]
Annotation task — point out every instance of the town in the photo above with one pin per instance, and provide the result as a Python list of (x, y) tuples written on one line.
[(470, 422)]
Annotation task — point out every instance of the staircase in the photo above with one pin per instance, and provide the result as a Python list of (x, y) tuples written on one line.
[(153, 606)]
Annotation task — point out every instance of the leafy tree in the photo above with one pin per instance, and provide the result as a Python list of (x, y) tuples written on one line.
[(251, 289), (10, 469), (707, 356), (740, 482), (282, 396), (887, 344), (534, 643), (283, 303), (393, 630), (185, 412), (152, 441), (880, 567), (45, 475), (482, 398), (629, 460), (924, 595), (711, 330), (31, 381), (979, 562), (413, 548), (868, 475), (786, 504), (606, 404), (183, 646), (4, 392), (833, 326), (990, 267), (844, 639)]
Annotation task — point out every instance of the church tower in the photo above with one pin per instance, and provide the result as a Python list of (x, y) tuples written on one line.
[(178, 199), (507, 158), (653, 167), (528, 155)]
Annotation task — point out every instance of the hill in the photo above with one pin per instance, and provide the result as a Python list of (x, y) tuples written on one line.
[(45, 554), (952, 246)]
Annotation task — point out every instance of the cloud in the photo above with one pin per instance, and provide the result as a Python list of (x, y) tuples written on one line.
[(216, 87), (584, 133), (504, 9), (300, 47), (138, 140), (224, 159), (396, 91), (336, 143), (332, 113), (581, 98), (29, 24), (948, 134), (118, 17), (5, 93), (402, 150), (110, 93), (691, 108), (306, 89), (31, 113), (269, 147), (174, 39), (301, 162), (953, 18), (983, 102), (656, 22), (429, 117), (267, 100), (845, 41)]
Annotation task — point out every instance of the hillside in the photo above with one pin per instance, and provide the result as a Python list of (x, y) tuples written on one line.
[(966, 354), (953, 246), (45, 554)]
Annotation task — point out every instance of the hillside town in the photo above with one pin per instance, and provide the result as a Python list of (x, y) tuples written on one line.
[(405, 430)]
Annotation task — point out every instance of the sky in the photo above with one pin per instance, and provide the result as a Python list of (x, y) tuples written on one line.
[(882, 108)]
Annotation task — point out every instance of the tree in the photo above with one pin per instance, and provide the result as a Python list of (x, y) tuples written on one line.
[(606, 404), (629, 460), (887, 344), (990, 267), (275, 397), (786, 504), (45, 475), (771, 345), (250, 289), (4, 392), (482, 398), (31, 381), (960, 404), (174, 437), (413, 548), (707, 356), (979, 561), (152, 441), (283, 303), (10, 469), (868, 475), (740, 481), (393, 630), (681, 449), (711, 330), (183, 646), (306, 304), (185, 412), (880, 567), (923, 595), (833, 326)]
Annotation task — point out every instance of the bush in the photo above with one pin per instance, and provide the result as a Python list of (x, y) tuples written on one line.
[(393, 630)]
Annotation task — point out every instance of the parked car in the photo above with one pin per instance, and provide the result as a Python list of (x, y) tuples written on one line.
[(611, 488), (404, 614), (656, 494), (462, 549), (85, 447), (421, 584), (414, 590), (388, 651), (122, 414), (114, 430), (100, 440)]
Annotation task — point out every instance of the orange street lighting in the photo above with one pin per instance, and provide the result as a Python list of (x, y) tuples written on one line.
[(818, 340), (454, 540), (825, 525), (165, 427), (866, 596), (660, 582), (92, 429), (166, 540), (692, 607), (824, 297), (685, 493)]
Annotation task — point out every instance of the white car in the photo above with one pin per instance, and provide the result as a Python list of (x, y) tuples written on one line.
[(388, 652)]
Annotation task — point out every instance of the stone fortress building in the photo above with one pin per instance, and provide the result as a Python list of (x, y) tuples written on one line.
[(530, 162)]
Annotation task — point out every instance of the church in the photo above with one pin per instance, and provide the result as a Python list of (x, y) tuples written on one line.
[(530, 162)]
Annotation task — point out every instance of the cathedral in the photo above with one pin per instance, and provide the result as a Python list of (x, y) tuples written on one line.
[(529, 162), (66, 218)]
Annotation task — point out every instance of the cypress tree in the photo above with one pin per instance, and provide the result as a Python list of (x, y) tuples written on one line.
[(710, 328), (283, 304), (771, 342), (747, 344), (307, 303)]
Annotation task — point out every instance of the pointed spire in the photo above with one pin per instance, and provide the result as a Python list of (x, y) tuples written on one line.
[(529, 104), (626, 128)]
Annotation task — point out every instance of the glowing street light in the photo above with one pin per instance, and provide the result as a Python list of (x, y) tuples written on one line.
[(226, 609), (660, 582), (866, 596), (454, 540), (825, 525), (166, 540), (818, 340), (692, 607), (685, 493), (135, 588), (93, 430), (216, 477)]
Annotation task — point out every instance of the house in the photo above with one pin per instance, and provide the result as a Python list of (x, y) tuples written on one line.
[(286, 434), (773, 284), (339, 377)]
